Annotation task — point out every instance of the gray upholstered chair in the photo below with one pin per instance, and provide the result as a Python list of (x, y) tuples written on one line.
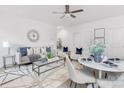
[(79, 76)]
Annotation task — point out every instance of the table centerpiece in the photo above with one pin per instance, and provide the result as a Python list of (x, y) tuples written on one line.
[(97, 50)]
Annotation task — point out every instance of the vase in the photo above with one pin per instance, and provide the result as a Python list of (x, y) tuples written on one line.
[(97, 58)]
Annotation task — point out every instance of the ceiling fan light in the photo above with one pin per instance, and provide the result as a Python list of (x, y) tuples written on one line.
[(67, 15)]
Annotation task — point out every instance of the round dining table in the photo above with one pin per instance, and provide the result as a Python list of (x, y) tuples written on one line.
[(104, 67)]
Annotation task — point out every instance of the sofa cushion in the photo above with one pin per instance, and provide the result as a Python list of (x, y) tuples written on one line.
[(34, 57), (25, 59)]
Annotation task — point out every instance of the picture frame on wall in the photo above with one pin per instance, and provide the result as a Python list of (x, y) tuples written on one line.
[(99, 35)]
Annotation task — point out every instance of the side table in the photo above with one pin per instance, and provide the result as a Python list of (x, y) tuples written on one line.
[(8, 56)]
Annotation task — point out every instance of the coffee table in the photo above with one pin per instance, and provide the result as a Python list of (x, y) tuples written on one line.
[(48, 65)]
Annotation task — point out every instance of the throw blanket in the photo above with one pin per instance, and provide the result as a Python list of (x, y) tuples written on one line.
[(34, 57)]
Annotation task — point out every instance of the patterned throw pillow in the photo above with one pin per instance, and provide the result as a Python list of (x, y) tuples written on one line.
[(23, 51), (36, 50)]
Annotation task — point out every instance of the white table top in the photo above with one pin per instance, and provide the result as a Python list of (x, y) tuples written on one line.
[(101, 66)]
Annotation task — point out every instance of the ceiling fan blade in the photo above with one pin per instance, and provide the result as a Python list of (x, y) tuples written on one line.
[(76, 11), (62, 16), (73, 16), (67, 8), (58, 12)]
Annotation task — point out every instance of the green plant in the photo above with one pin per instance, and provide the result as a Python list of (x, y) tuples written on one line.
[(50, 55), (97, 48)]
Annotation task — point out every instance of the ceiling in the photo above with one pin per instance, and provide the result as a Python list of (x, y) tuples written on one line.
[(44, 13)]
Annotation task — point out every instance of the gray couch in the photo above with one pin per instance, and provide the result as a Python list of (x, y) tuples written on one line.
[(24, 59)]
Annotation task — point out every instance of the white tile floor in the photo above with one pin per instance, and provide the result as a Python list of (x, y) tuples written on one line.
[(25, 78)]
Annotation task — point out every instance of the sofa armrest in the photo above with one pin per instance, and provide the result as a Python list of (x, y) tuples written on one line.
[(18, 58)]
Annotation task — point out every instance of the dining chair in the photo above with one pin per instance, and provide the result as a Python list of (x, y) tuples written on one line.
[(79, 76), (109, 74)]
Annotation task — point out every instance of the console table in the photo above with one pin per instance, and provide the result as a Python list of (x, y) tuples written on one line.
[(37, 65)]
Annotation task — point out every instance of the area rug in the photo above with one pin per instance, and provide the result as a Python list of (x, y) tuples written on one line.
[(13, 73)]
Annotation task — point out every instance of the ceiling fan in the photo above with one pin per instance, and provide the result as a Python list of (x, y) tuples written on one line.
[(68, 13)]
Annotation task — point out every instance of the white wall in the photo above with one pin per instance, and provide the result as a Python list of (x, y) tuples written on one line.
[(15, 32), (65, 35), (114, 30)]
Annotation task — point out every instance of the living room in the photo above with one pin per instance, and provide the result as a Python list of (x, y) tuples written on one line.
[(40, 43)]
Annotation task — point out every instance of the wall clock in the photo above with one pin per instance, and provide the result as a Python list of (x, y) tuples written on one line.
[(33, 35)]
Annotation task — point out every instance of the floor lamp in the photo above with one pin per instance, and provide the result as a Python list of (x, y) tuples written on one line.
[(7, 45)]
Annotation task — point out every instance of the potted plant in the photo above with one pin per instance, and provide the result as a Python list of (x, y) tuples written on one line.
[(97, 50), (50, 55)]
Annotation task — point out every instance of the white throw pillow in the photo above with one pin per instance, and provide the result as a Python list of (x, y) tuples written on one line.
[(29, 51), (35, 50)]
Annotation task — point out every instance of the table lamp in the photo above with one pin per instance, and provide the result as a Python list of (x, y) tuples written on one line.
[(7, 45)]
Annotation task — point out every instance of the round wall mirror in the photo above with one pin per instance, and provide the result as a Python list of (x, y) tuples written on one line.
[(33, 35)]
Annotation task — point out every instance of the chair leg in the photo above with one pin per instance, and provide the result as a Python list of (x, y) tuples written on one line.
[(98, 86), (92, 85), (19, 66), (75, 85), (94, 73), (106, 75), (70, 83)]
